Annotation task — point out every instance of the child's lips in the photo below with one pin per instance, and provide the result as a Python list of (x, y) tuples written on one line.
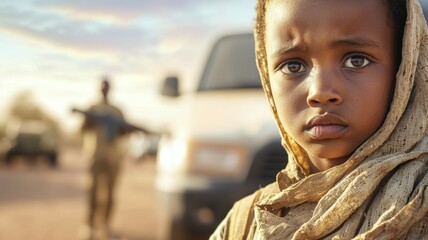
[(322, 132), (327, 126)]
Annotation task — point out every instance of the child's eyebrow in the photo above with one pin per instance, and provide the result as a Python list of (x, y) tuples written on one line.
[(358, 42), (354, 42), (288, 49)]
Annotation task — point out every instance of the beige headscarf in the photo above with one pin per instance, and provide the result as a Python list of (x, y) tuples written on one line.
[(379, 193)]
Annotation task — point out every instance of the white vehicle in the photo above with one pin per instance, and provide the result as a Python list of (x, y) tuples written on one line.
[(222, 146)]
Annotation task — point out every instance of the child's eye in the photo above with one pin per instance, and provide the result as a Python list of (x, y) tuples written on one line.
[(357, 61), (292, 67)]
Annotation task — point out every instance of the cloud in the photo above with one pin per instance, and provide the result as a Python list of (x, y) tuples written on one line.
[(125, 10), (118, 27), (85, 36)]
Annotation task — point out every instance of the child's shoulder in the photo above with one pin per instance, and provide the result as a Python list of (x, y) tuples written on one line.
[(240, 220)]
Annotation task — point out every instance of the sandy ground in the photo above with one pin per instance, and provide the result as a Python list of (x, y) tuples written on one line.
[(40, 203)]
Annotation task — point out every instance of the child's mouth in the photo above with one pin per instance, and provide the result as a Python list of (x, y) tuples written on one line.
[(326, 126), (320, 132)]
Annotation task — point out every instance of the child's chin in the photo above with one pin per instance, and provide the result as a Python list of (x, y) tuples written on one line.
[(330, 154)]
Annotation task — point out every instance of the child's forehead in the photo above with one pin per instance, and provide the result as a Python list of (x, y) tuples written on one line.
[(320, 24), (336, 10), (294, 5)]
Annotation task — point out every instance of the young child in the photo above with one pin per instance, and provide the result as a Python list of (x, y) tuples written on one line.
[(347, 82)]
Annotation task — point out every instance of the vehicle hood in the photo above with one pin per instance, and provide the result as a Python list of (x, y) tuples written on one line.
[(227, 113)]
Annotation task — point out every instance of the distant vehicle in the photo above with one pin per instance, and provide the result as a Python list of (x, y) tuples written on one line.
[(31, 139), (223, 144)]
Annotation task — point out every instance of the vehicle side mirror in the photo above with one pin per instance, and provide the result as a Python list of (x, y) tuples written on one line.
[(170, 87)]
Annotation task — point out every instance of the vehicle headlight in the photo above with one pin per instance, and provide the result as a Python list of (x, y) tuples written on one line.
[(206, 158), (217, 159), (172, 154)]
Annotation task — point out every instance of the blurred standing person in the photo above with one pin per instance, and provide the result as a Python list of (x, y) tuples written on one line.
[(105, 145)]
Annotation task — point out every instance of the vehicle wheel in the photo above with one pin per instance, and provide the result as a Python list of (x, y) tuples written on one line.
[(8, 158), (52, 158), (173, 229), (177, 231)]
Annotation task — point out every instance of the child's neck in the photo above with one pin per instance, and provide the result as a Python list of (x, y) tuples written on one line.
[(321, 164)]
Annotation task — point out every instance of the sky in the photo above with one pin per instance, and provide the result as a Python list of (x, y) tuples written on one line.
[(57, 50)]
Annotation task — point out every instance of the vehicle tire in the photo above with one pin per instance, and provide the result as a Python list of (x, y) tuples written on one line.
[(8, 158), (174, 229), (53, 159), (179, 231)]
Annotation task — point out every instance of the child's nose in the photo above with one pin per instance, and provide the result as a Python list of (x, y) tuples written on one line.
[(324, 88)]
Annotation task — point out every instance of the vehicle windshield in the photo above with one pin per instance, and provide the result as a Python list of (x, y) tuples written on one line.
[(231, 65)]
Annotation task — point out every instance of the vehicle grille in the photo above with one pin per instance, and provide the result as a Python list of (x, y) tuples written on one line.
[(271, 159)]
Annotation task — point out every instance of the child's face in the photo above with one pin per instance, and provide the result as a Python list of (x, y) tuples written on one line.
[(332, 69)]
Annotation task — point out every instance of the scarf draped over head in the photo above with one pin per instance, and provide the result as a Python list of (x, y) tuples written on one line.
[(381, 191)]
